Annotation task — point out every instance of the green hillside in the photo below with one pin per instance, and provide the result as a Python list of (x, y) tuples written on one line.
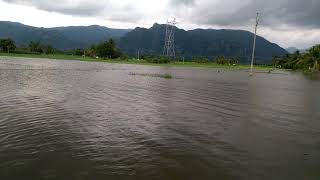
[(197, 43)]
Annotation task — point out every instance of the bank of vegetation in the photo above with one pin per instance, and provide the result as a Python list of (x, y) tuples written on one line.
[(103, 50), (308, 61), (107, 51)]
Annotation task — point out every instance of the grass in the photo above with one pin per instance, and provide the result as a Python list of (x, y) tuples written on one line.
[(137, 62), (167, 76), (49, 56)]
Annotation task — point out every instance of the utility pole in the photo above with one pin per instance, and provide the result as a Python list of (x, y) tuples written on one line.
[(254, 43), (138, 54)]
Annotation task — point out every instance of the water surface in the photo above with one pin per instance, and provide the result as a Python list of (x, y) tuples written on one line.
[(83, 120)]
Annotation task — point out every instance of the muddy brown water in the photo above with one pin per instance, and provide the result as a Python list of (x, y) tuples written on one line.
[(85, 120)]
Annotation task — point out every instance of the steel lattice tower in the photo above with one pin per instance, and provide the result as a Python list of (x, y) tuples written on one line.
[(169, 47)]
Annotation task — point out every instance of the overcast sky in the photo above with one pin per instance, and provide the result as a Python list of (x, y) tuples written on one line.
[(285, 22)]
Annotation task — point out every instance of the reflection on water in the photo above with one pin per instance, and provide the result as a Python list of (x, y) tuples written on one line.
[(81, 120), (312, 75)]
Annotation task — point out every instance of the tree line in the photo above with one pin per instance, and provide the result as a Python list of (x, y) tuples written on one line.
[(37, 47), (106, 49), (8, 45), (309, 61)]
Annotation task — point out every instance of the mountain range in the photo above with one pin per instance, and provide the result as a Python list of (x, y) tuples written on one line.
[(207, 43), (294, 49), (63, 38)]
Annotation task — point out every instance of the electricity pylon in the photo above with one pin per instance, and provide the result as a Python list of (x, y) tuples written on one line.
[(169, 46)]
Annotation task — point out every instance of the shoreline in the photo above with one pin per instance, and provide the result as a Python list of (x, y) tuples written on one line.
[(138, 62)]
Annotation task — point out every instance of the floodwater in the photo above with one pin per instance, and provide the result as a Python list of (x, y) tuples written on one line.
[(82, 120)]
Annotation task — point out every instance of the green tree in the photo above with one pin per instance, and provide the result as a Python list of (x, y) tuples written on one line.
[(7, 45), (307, 61), (156, 59), (35, 47), (78, 52), (221, 60), (108, 49), (277, 61), (315, 51), (47, 49), (314, 58), (92, 51), (234, 60), (112, 42)]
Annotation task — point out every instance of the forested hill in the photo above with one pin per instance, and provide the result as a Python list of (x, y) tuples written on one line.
[(207, 43), (63, 38), (196, 43)]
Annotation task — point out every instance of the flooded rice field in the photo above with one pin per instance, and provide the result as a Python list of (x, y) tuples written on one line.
[(85, 120)]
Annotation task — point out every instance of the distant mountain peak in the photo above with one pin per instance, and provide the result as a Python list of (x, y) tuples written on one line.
[(294, 49), (157, 25), (200, 43)]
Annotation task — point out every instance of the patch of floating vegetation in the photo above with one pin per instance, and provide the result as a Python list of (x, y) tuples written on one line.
[(165, 76)]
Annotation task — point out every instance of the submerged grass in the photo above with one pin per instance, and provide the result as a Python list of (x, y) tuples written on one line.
[(137, 62), (165, 76)]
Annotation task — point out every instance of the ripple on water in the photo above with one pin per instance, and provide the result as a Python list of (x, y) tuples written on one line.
[(95, 121)]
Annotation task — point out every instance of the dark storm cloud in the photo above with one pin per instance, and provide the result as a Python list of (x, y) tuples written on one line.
[(274, 13), (93, 8)]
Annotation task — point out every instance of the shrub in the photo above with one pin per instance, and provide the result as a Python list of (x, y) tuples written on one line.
[(157, 59), (201, 60)]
